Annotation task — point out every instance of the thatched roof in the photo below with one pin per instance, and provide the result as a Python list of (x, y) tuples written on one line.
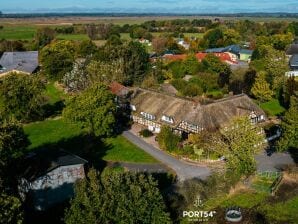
[(211, 116)]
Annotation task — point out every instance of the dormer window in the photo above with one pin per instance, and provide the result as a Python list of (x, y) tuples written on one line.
[(133, 107), (148, 116), (167, 119)]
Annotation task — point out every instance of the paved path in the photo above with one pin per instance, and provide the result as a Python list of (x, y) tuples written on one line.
[(183, 169), (143, 167), (275, 162)]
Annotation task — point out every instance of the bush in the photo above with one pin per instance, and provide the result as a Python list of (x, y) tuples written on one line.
[(167, 140), (146, 133)]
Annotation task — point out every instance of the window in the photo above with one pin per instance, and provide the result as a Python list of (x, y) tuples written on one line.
[(193, 127), (148, 116), (133, 107), (167, 119)]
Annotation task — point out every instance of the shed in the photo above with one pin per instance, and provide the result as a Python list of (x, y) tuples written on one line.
[(49, 176), (25, 62)]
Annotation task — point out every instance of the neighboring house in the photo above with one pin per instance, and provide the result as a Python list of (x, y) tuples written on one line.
[(153, 109), (224, 57), (49, 177), (118, 89), (184, 44), (292, 50), (235, 51), (293, 63), (245, 55), (21, 62)]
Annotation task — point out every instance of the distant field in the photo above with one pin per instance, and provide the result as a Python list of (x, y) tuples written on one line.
[(68, 20), (73, 36), (11, 32)]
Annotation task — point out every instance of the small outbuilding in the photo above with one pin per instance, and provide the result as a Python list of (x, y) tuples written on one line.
[(49, 177), (20, 62)]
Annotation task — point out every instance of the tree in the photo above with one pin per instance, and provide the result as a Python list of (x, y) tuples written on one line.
[(231, 36), (57, 59), (132, 56), (21, 97), (136, 61), (44, 36), (289, 127), (239, 142), (214, 38), (167, 140), (261, 88), (159, 44), (13, 143), (117, 198), (77, 79), (212, 64), (106, 72), (86, 48), (93, 109), (10, 207)]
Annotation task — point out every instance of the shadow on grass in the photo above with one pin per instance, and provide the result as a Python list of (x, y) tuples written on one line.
[(294, 154), (89, 148)]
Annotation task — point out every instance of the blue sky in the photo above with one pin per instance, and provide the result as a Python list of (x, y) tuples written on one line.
[(183, 6)]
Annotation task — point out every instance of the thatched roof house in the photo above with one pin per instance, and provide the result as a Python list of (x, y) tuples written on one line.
[(187, 115)]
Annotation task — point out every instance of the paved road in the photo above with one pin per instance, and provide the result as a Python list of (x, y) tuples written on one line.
[(183, 170), (143, 167), (275, 162)]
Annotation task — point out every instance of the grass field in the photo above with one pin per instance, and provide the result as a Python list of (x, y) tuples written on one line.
[(11, 32), (244, 200), (72, 37), (273, 107), (58, 133)]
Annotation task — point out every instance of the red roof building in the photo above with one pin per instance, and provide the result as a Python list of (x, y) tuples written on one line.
[(225, 57), (118, 89)]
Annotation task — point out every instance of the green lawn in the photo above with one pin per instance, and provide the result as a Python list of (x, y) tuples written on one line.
[(54, 95), (49, 132), (244, 200), (123, 150), (72, 37), (60, 134), (273, 107), (282, 212)]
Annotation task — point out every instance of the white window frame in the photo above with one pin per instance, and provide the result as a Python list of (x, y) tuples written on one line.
[(148, 116), (167, 119), (133, 107)]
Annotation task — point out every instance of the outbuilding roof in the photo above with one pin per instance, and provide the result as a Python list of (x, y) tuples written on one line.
[(293, 49), (42, 162), (26, 61), (294, 61)]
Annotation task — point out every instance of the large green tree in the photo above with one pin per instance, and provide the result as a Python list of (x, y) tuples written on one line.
[(21, 97), (261, 88), (10, 210), (57, 59), (239, 142), (117, 198), (167, 140), (289, 127), (93, 109), (44, 36)]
